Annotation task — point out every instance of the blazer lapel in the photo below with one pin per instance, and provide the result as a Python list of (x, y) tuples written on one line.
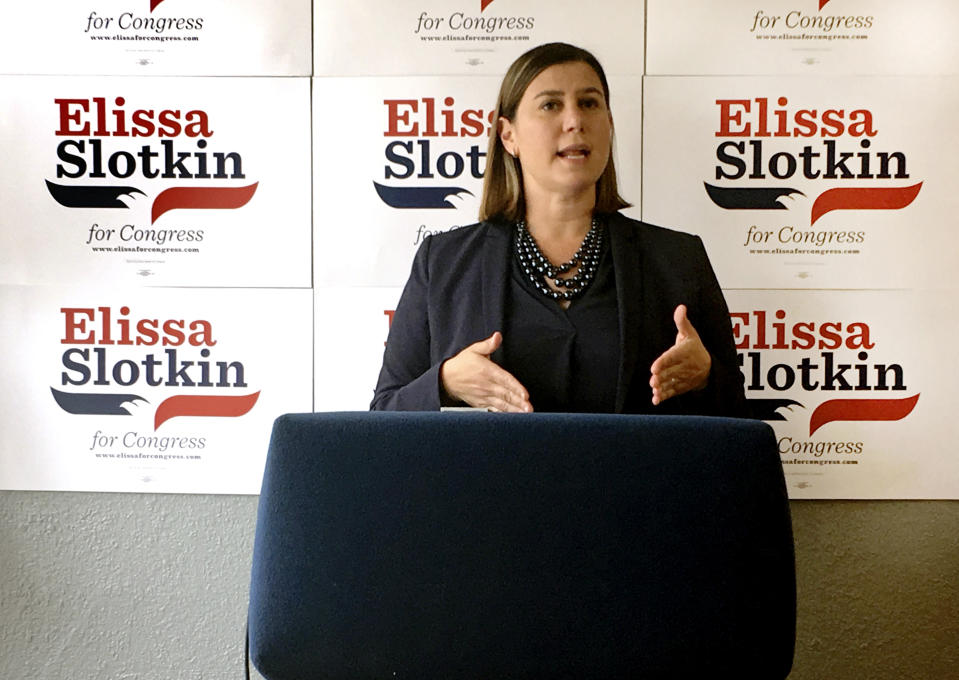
[(492, 294), (627, 265)]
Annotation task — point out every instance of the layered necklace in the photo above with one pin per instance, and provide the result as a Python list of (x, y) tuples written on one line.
[(535, 265)]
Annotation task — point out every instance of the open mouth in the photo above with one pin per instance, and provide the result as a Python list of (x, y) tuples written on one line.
[(574, 152)]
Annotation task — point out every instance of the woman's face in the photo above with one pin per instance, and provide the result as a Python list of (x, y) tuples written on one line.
[(561, 131)]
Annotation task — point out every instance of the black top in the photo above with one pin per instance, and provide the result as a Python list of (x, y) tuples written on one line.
[(568, 359)]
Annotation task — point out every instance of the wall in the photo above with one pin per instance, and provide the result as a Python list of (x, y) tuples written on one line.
[(123, 586), (878, 589), (140, 586)]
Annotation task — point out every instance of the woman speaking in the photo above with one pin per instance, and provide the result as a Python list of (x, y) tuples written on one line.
[(555, 301)]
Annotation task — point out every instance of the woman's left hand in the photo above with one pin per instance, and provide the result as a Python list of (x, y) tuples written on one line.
[(682, 368)]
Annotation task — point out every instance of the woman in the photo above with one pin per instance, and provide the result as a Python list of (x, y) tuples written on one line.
[(554, 301)]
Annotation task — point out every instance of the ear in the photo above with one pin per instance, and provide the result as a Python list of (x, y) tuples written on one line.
[(505, 130)]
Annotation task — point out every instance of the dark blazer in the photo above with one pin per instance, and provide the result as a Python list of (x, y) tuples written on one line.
[(455, 297)]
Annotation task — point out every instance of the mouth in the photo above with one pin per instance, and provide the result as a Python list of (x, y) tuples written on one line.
[(574, 151)]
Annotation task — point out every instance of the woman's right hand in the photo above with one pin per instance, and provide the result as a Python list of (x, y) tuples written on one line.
[(471, 376)]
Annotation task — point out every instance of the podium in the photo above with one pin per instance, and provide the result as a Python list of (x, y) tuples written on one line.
[(480, 545)]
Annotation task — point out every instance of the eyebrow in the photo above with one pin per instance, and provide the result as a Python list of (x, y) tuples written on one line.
[(559, 93)]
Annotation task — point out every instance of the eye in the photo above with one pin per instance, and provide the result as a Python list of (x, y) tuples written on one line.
[(550, 105), (590, 103)]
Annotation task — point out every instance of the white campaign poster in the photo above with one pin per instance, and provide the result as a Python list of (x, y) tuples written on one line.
[(827, 207), (351, 328), (853, 383), (156, 37), (802, 37), (477, 37), (155, 181), (405, 159), (812, 183), (153, 390)]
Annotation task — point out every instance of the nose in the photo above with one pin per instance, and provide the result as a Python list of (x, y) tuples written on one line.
[(573, 122)]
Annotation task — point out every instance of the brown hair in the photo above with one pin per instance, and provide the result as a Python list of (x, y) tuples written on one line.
[(503, 195)]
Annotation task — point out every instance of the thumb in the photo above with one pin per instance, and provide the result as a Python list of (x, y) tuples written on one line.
[(684, 328), (490, 344)]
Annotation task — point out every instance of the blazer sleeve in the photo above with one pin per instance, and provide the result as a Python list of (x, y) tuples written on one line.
[(724, 391), (408, 380)]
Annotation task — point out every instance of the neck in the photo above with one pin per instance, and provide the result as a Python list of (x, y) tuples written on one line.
[(560, 220)]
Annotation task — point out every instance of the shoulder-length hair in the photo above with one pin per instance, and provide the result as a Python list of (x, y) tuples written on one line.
[(503, 194)]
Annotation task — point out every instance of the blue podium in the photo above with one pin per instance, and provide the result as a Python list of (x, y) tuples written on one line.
[(413, 546)]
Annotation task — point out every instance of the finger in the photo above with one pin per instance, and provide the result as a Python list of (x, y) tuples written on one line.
[(492, 385), (679, 377), (662, 381), (667, 390), (665, 385), (509, 406), (671, 358), (501, 398), (678, 367), (509, 389), (666, 374)]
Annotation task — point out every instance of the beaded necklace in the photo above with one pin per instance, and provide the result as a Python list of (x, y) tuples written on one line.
[(538, 268)]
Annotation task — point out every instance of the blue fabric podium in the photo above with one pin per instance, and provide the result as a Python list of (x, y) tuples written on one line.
[(412, 546)]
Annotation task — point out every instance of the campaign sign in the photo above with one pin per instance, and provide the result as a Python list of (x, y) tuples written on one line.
[(156, 181), (799, 37), (168, 390), (808, 182), (156, 37), (404, 158), (852, 383), (456, 37)]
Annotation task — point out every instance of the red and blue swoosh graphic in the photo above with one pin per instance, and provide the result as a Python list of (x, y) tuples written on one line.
[(837, 410), (204, 406), (175, 198), (852, 198)]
